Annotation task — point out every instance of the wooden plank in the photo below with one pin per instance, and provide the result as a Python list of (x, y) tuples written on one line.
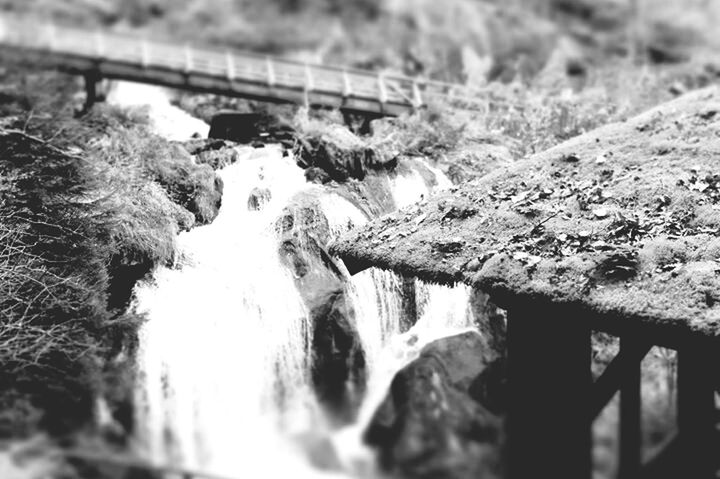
[(549, 385), (630, 408), (611, 380)]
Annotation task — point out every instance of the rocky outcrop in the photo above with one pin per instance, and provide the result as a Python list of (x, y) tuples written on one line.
[(194, 187), (258, 198), (341, 154), (431, 425), (215, 153), (338, 362)]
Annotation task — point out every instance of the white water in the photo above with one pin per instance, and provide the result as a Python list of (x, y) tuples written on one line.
[(224, 358)]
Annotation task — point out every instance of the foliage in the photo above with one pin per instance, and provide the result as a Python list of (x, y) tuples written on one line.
[(78, 226)]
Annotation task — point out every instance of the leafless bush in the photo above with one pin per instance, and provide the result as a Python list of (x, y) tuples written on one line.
[(26, 284)]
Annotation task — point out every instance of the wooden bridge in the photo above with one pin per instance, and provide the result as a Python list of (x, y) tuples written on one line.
[(101, 55)]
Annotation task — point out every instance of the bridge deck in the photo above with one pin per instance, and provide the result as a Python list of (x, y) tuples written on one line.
[(226, 72)]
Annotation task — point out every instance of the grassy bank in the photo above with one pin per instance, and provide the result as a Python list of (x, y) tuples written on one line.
[(87, 207)]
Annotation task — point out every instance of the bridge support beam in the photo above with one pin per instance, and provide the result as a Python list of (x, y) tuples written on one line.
[(698, 443), (549, 390), (94, 91)]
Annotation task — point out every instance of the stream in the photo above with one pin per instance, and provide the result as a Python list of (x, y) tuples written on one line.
[(224, 360)]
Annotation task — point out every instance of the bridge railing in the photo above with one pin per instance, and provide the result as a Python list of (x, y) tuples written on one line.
[(232, 65)]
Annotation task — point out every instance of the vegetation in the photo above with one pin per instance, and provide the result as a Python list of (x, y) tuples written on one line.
[(82, 217), (89, 205)]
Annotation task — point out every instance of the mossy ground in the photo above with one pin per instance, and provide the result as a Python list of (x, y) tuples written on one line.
[(622, 218)]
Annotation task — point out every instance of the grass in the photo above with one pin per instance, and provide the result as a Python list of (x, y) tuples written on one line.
[(87, 207), (126, 204)]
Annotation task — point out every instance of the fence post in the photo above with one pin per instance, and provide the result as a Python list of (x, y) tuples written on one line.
[(309, 84), (52, 36), (270, 71), (382, 89), (188, 58), (230, 65), (417, 96), (99, 44), (347, 86), (144, 52)]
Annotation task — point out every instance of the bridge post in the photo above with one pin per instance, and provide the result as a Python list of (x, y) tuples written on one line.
[(696, 412), (549, 390), (93, 91), (630, 413), (417, 96)]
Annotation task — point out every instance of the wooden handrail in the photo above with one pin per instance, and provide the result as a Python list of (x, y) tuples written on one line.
[(232, 66)]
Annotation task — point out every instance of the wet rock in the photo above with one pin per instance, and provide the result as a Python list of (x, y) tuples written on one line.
[(321, 451), (213, 152), (258, 198), (429, 425), (338, 359), (217, 159), (317, 175), (339, 153), (248, 128)]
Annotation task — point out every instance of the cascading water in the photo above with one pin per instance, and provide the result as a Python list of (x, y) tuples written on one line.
[(224, 360), (225, 356)]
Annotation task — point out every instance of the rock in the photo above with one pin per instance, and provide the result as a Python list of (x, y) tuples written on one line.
[(195, 187), (201, 145), (320, 451), (338, 361), (340, 153), (217, 159), (213, 152), (317, 175), (338, 370), (429, 426), (248, 128), (258, 198)]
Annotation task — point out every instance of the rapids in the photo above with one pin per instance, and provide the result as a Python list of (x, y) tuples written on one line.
[(224, 359)]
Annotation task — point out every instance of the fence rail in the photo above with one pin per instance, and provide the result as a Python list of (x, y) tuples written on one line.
[(235, 73)]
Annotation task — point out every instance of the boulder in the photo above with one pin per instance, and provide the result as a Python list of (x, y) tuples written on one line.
[(258, 198), (340, 153), (215, 153), (338, 361), (247, 128), (429, 425), (338, 370)]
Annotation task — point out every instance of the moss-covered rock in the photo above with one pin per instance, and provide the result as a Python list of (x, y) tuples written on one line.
[(429, 425), (195, 187), (590, 221)]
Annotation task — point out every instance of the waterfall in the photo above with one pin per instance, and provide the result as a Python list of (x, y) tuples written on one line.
[(226, 350), (224, 359)]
